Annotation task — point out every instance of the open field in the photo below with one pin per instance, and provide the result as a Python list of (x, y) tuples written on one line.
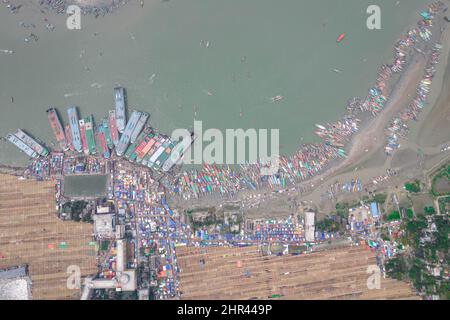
[(330, 274), (28, 225)]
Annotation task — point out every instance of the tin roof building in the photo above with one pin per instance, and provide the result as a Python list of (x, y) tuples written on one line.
[(15, 284), (374, 209), (309, 226)]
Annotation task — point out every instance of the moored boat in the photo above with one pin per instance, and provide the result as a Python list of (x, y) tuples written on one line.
[(126, 136), (158, 153), (139, 125), (74, 127), (113, 127), (164, 156), (178, 151), (145, 146), (107, 132), (22, 146), (57, 128), (131, 149), (90, 137), (119, 97), (69, 137), (83, 136), (32, 143), (101, 138), (321, 127)]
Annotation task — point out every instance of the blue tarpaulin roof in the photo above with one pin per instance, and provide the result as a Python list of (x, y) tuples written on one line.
[(374, 209)]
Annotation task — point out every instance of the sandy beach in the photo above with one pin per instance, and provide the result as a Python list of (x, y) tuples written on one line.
[(371, 138), (366, 153), (366, 158), (366, 143), (434, 129)]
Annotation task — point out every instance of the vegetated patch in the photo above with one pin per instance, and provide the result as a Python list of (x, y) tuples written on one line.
[(429, 210), (378, 198), (444, 205), (331, 224), (104, 245), (393, 216), (413, 187), (78, 210), (441, 186), (409, 213), (420, 201), (441, 181), (343, 207), (425, 263)]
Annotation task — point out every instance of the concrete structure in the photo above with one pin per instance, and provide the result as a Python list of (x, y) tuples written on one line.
[(120, 231), (374, 209), (358, 217), (17, 272), (120, 265), (144, 294), (15, 284), (103, 209), (359, 214), (309, 226), (125, 279), (104, 226)]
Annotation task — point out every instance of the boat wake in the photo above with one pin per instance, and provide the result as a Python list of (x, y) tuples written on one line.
[(96, 85), (71, 94)]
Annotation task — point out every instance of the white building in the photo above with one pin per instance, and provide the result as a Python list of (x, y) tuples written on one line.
[(104, 226), (125, 279), (309, 226)]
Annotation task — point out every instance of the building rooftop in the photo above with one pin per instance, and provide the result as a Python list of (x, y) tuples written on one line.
[(15, 284), (374, 209), (309, 226), (104, 225)]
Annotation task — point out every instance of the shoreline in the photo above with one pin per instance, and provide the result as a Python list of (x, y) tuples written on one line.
[(439, 114), (371, 136), (326, 159), (361, 141)]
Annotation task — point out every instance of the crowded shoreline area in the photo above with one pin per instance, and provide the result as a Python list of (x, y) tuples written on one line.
[(311, 160), (94, 7), (314, 160), (136, 224)]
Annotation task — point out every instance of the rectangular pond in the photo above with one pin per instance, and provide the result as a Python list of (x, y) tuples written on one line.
[(85, 186)]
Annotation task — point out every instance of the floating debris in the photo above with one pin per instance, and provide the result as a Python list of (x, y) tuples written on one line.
[(60, 7), (277, 98), (6, 51)]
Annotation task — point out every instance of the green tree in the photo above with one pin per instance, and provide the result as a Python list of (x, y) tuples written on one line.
[(413, 187)]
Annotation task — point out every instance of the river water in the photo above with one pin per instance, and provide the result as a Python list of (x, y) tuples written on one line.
[(257, 49)]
